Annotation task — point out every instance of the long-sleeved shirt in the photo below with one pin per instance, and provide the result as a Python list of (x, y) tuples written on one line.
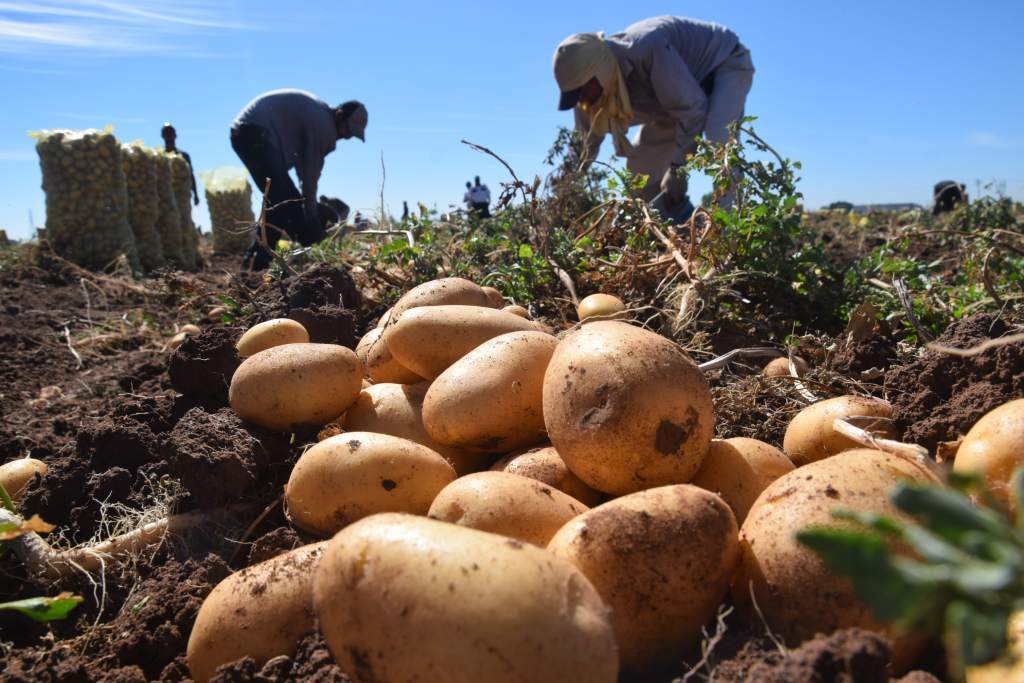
[(664, 60), (302, 129)]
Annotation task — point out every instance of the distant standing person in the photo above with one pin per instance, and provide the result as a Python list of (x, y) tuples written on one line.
[(285, 129), (480, 198), (170, 137), (467, 198), (674, 77)]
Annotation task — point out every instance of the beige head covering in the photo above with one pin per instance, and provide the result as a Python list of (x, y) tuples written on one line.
[(583, 56)]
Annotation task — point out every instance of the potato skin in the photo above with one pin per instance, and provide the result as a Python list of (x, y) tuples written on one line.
[(626, 408), (506, 504), (295, 384), (779, 367), (494, 296), (515, 309), (546, 466), (397, 409), (604, 305), (491, 399), (352, 475), (261, 612), (994, 448), (738, 469), (270, 333), (17, 474), (810, 436), (443, 292), (429, 339), (403, 598), (379, 364), (662, 560), (796, 593)]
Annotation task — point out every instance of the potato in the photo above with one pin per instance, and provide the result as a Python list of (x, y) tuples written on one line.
[(779, 367), (494, 296), (380, 365), (738, 469), (810, 436), (491, 399), (604, 305), (662, 560), (506, 504), (384, 319), (271, 333), (546, 466), (443, 292), (295, 384), (626, 408), (16, 475), (261, 612), (397, 409), (994, 448), (517, 310), (403, 598), (796, 593), (429, 339), (349, 476)]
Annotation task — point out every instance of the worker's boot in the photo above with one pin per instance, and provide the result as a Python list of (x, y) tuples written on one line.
[(678, 213)]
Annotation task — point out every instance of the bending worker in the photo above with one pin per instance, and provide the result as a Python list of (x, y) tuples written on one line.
[(285, 129), (674, 77)]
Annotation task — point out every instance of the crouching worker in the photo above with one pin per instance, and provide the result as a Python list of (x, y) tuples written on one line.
[(674, 77), (285, 129)]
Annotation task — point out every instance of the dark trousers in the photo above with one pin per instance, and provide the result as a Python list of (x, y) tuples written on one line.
[(285, 213), (482, 209)]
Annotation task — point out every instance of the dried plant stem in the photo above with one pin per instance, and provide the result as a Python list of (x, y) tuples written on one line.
[(918, 454), (979, 348), (724, 359)]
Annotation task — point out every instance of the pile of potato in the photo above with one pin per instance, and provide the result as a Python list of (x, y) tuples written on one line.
[(86, 197), (229, 197), (181, 184), (168, 222), (143, 203), (505, 504)]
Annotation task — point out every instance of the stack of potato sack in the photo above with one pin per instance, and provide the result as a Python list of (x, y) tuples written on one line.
[(169, 220), (229, 197), (86, 197), (181, 183), (143, 203)]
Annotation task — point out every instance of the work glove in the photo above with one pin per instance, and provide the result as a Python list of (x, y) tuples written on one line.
[(674, 184)]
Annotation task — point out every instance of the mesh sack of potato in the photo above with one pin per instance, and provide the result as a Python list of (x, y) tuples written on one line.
[(229, 197), (181, 182), (143, 203), (86, 197), (168, 222)]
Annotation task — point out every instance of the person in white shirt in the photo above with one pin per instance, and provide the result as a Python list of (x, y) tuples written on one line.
[(480, 198)]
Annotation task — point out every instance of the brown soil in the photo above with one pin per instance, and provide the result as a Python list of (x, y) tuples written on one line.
[(938, 397)]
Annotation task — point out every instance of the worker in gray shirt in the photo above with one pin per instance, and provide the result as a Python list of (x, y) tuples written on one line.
[(674, 77), (285, 129)]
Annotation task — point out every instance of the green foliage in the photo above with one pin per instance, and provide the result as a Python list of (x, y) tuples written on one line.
[(963, 579), (44, 609)]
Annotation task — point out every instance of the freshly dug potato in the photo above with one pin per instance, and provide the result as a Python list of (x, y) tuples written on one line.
[(517, 310), (546, 466), (491, 399), (397, 409), (506, 504), (271, 333), (738, 469), (626, 408), (779, 367), (429, 339), (443, 292), (380, 365), (810, 436), (604, 305), (403, 598), (16, 475), (994, 448), (295, 384), (494, 296), (797, 594), (261, 612), (352, 475), (662, 560), (384, 319)]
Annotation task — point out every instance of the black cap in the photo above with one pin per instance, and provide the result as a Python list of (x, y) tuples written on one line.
[(569, 99)]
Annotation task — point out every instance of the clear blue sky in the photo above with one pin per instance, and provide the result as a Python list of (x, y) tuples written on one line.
[(878, 99)]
